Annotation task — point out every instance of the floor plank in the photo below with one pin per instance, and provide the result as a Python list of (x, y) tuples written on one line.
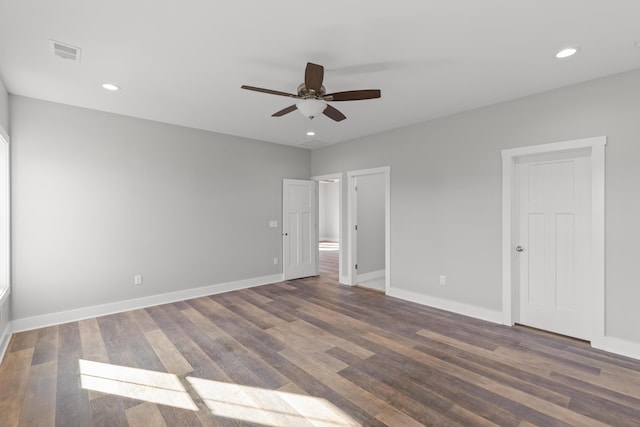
[(168, 354), (14, 374), (39, 404), (72, 402), (145, 414)]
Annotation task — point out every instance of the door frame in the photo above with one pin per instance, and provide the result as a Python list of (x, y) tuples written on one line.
[(340, 177), (351, 213), (5, 223), (596, 294)]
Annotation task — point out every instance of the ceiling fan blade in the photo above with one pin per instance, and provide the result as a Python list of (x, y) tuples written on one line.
[(334, 114), (353, 95), (269, 91), (313, 76), (285, 111)]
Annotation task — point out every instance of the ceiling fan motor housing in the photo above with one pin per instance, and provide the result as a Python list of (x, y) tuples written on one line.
[(305, 93)]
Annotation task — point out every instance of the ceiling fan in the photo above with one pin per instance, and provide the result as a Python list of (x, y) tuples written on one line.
[(314, 96)]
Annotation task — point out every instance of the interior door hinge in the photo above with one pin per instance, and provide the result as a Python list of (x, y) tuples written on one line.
[(356, 266), (356, 228)]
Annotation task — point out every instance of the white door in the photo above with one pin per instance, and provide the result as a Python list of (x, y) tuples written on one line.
[(553, 242), (299, 229)]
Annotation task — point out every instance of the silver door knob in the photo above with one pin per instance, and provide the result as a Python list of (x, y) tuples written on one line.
[(519, 249)]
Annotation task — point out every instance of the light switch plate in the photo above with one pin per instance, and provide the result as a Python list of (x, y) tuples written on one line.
[(273, 223)]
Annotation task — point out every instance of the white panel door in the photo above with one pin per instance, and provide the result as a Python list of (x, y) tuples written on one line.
[(299, 229), (553, 242)]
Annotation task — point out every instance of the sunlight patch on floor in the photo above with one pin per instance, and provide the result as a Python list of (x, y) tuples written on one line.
[(268, 407), (141, 384), (233, 401)]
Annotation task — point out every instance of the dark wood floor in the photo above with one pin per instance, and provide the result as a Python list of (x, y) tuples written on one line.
[(309, 352)]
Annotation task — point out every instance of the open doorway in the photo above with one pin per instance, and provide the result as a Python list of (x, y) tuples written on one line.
[(330, 225), (369, 225), (370, 244)]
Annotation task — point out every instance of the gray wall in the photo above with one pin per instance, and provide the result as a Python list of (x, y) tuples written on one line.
[(329, 217), (446, 190), (370, 211), (100, 197)]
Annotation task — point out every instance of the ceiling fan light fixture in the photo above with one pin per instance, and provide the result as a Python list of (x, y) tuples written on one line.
[(311, 133), (311, 107)]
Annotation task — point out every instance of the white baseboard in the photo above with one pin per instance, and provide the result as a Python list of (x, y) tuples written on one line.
[(617, 346), (329, 239), (610, 344), (35, 322), (344, 280), (482, 313), (370, 276), (4, 341)]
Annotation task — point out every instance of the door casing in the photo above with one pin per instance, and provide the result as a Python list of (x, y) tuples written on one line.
[(5, 221), (595, 297)]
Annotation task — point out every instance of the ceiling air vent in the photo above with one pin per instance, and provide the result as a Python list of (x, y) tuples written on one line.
[(65, 51), (313, 144)]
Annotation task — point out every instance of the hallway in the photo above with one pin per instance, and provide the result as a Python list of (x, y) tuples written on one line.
[(329, 260)]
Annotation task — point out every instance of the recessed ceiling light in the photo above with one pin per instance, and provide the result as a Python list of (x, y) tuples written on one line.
[(111, 87), (567, 52), (311, 133)]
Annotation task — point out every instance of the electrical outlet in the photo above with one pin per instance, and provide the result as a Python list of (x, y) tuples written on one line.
[(275, 261), (443, 280), (137, 279)]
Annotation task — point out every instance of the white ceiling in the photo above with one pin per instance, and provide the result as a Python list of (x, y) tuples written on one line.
[(183, 62)]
